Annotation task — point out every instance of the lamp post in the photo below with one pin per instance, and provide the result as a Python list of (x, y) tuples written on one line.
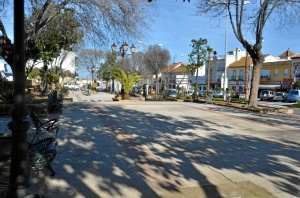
[(93, 69), (122, 51), (19, 177), (225, 60), (226, 37)]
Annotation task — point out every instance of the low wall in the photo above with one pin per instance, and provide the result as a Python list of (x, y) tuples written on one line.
[(40, 108)]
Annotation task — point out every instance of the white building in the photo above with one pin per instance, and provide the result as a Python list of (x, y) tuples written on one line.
[(217, 69), (295, 67), (174, 76), (66, 60)]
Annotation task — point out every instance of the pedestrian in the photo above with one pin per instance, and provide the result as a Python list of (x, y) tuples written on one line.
[(144, 93), (89, 89)]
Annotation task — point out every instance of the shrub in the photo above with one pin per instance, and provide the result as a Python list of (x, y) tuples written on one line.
[(6, 92), (64, 91)]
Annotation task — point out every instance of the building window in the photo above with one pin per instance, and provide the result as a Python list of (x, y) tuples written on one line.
[(286, 72), (276, 72), (241, 76), (234, 77), (265, 74)]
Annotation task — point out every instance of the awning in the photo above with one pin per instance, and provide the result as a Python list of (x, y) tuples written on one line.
[(269, 86)]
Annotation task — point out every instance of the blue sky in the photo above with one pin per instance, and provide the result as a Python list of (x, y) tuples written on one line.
[(176, 25)]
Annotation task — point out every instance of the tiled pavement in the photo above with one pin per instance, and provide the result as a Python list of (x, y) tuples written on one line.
[(147, 149)]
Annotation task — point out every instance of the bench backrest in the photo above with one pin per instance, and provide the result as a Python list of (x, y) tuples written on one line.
[(36, 121)]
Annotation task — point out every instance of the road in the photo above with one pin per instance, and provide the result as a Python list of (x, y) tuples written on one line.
[(279, 105)]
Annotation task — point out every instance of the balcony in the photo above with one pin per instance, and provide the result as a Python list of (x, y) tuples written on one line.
[(236, 78), (265, 78), (220, 68)]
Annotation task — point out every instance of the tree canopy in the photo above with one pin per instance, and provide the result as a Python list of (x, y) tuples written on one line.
[(101, 23), (197, 58), (252, 18), (128, 80), (156, 58)]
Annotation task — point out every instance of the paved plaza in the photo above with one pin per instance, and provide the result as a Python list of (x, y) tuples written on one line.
[(150, 149)]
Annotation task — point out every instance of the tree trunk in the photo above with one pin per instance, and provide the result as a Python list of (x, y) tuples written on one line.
[(126, 96), (208, 77), (45, 80), (255, 83), (156, 85), (196, 85)]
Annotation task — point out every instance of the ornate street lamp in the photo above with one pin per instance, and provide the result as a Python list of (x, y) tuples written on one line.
[(123, 49), (93, 69)]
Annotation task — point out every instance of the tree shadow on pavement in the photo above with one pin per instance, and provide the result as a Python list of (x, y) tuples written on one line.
[(119, 151)]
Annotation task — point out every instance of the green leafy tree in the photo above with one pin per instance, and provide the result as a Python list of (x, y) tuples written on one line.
[(35, 73), (197, 59), (297, 84), (107, 68), (55, 37), (128, 80)]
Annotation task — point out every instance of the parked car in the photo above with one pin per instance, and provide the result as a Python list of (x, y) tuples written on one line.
[(72, 87), (218, 94), (2, 76), (266, 95), (280, 96), (242, 95), (294, 95), (140, 91), (190, 92), (170, 93), (202, 93), (9, 76)]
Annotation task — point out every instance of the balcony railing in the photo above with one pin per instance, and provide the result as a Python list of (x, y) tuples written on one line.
[(264, 78), (220, 68), (236, 78)]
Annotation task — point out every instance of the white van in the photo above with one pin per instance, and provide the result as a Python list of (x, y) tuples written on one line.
[(190, 92)]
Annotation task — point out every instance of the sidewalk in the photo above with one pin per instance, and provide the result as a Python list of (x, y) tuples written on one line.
[(81, 96), (166, 149)]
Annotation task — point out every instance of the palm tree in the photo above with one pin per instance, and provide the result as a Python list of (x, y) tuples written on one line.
[(128, 80), (208, 60), (197, 59)]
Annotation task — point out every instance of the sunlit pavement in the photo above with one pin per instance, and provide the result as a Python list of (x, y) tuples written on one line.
[(171, 149)]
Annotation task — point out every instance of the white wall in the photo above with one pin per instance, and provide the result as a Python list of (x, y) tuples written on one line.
[(2, 68), (66, 58)]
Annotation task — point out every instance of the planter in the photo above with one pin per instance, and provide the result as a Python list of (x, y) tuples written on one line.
[(68, 99), (122, 100), (119, 98), (38, 107)]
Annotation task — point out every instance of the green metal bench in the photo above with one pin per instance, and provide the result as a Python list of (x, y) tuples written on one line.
[(55, 103), (41, 154), (43, 129)]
